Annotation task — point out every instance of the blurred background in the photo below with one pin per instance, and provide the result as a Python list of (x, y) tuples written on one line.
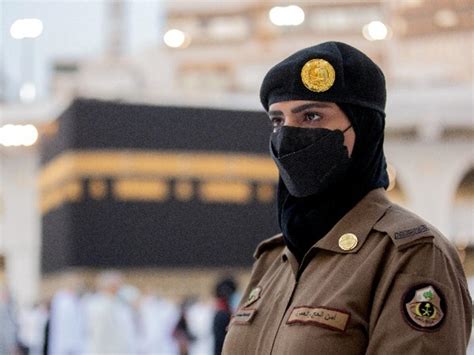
[(133, 152)]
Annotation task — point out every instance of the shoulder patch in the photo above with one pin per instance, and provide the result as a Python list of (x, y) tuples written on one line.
[(268, 244), (424, 307), (404, 227)]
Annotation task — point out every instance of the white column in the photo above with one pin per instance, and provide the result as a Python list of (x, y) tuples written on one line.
[(21, 222), (429, 174)]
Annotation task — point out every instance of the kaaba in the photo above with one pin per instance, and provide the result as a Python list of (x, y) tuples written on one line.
[(127, 185)]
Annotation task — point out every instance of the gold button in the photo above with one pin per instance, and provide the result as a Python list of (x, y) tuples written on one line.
[(348, 241)]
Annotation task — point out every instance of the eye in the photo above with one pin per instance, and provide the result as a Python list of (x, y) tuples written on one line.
[(277, 123), (312, 116)]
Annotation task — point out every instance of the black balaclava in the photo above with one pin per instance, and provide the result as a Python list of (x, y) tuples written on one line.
[(305, 220)]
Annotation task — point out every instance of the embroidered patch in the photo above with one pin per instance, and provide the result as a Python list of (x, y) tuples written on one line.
[(320, 316), (424, 307), (243, 316), (411, 232), (253, 296)]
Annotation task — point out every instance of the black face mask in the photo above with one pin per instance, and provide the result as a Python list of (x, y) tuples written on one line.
[(309, 159)]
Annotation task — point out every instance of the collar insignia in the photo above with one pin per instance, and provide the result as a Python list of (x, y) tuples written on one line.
[(253, 296), (348, 241)]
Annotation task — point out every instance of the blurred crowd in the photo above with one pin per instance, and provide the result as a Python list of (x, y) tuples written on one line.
[(117, 318)]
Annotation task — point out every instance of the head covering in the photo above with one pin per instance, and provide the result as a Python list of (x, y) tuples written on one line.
[(331, 72)]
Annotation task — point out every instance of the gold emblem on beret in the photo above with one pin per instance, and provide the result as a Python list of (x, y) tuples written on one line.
[(318, 75), (348, 241)]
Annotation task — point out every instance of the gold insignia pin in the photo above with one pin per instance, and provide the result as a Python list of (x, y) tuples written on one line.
[(253, 296), (318, 75), (348, 241)]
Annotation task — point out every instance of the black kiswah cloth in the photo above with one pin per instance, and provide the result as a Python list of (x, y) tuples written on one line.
[(304, 221)]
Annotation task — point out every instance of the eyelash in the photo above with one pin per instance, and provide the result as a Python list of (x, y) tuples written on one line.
[(277, 122), (312, 119)]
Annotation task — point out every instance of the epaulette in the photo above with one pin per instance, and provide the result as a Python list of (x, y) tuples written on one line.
[(267, 244), (404, 227)]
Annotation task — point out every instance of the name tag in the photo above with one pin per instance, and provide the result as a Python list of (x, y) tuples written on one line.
[(243, 316), (320, 316)]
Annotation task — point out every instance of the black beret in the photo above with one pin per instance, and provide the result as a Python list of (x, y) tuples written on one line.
[(330, 71)]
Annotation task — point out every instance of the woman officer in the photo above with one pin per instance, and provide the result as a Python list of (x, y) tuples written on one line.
[(351, 273)]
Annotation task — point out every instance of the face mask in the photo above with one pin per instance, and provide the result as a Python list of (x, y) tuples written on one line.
[(309, 159)]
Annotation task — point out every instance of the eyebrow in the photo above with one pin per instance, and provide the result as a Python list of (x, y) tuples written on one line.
[(275, 113), (300, 108)]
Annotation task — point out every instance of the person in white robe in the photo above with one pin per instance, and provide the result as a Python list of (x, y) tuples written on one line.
[(66, 333), (109, 319), (32, 324), (7, 323), (200, 316), (158, 318)]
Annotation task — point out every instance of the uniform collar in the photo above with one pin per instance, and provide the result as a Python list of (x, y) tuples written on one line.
[(358, 221)]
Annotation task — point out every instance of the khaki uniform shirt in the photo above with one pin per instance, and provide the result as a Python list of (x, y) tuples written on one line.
[(394, 285)]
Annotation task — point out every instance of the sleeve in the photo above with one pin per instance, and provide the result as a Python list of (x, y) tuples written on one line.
[(421, 305)]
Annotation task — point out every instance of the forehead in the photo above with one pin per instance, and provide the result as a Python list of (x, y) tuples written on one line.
[(292, 104)]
